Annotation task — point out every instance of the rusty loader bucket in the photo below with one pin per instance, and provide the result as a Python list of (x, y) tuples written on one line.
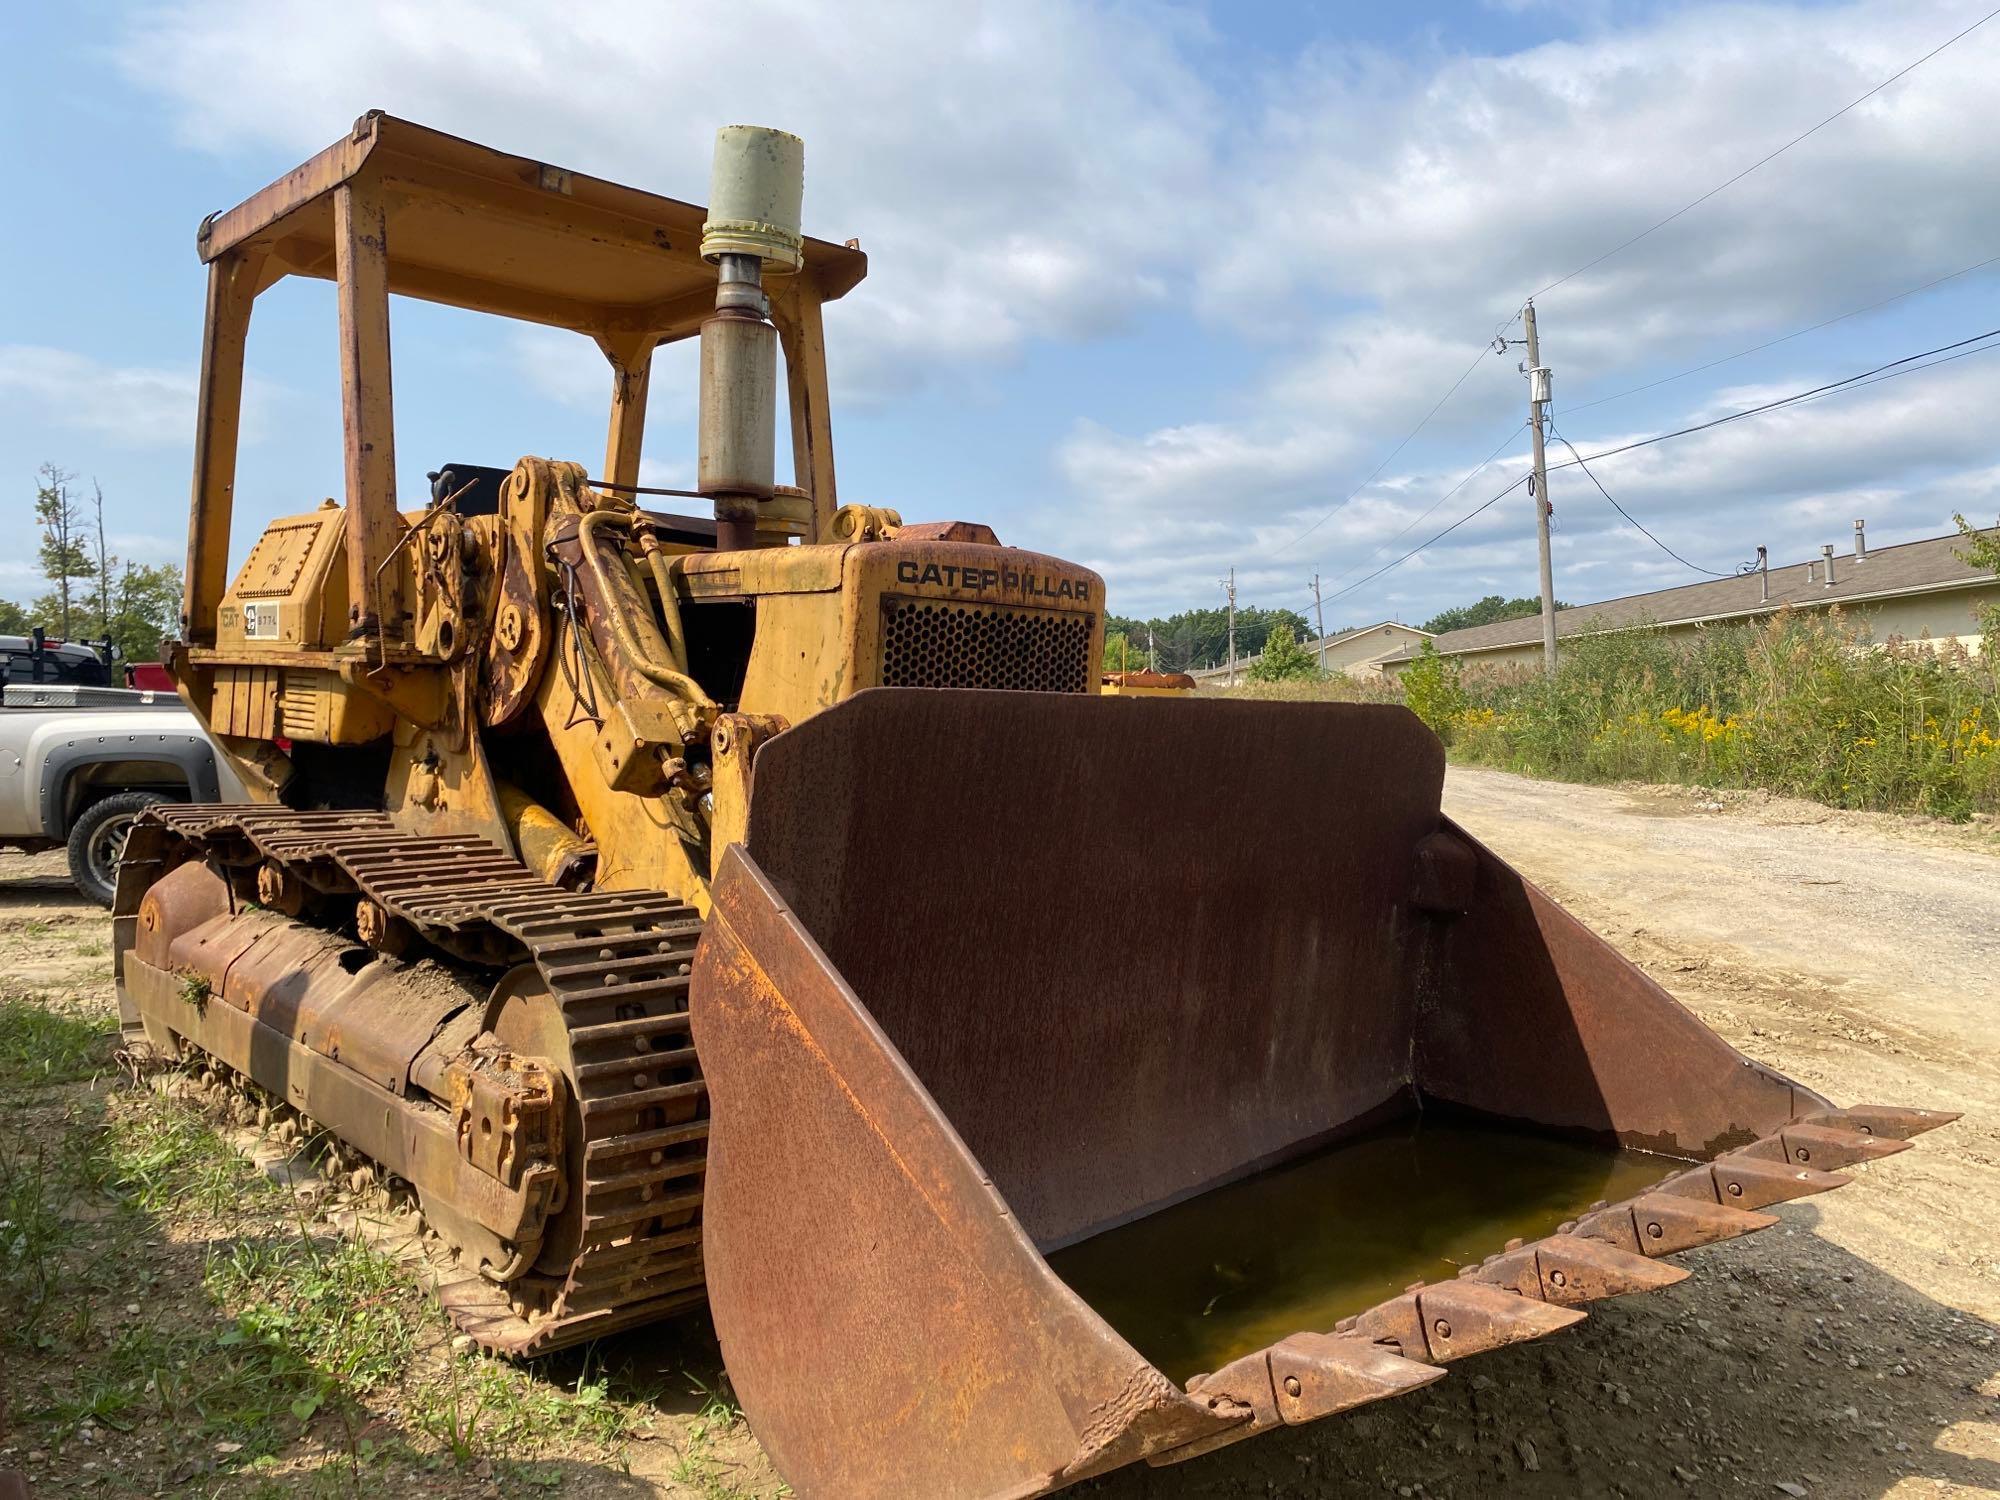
[(1104, 1079)]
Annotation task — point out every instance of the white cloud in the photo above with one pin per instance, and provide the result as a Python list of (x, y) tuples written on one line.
[(127, 406), (145, 547), (1790, 480), (1050, 169), (124, 406), (1413, 201), (1010, 168), (568, 368)]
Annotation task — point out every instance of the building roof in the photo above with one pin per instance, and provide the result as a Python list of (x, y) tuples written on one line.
[(1908, 568)]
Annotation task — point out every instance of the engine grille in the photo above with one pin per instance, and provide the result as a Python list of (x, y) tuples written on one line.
[(928, 643)]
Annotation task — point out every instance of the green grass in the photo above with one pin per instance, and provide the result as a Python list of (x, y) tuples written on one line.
[(168, 1158), (42, 1046), (345, 1309), (36, 1238), (695, 1464), (324, 1362)]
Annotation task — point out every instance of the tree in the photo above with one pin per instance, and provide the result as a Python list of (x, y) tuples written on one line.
[(63, 555), (1488, 611), (96, 593), (145, 607), (1200, 637), (1982, 550), (1122, 651), (97, 596), (1283, 659), (1433, 690)]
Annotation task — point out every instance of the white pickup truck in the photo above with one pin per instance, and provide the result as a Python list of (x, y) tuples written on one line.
[(78, 763)]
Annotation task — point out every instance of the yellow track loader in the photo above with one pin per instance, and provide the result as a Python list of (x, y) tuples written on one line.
[(735, 899)]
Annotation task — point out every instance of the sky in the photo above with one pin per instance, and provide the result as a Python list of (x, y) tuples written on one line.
[(1162, 289)]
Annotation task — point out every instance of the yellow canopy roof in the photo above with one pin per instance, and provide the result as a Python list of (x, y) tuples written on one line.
[(472, 227)]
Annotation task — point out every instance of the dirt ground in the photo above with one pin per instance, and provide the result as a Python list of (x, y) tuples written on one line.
[(1854, 1350)]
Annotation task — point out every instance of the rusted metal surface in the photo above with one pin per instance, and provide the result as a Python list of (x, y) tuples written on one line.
[(1523, 1012), (506, 1113), (1139, 684), (865, 1278), (1236, 987), (1108, 1011), (516, 647), (865, 1273), (599, 1002), (869, 1226), (414, 1143), (1171, 1002), (948, 531), (361, 252)]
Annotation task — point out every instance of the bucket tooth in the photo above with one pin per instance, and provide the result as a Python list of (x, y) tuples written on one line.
[(1395, 1324), (1569, 1270), (1881, 1119), (1748, 1179), (1514, 1268), (1457, 1318), (1747, 1182), (1574, 1270), (1662, 1223), (1315, 1375), (1824, 1147), (1296, 1380)]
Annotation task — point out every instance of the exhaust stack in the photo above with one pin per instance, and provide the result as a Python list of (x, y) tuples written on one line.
[(1860, 540), (1826, 557), (755, 192)]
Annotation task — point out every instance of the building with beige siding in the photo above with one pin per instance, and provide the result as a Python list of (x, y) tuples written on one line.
[(1357, 653), (1913, 591)]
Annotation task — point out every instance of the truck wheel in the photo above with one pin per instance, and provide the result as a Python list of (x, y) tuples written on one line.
[(98, 840)]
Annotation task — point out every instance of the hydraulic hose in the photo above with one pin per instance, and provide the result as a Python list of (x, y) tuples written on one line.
[(670, 608), (646, 657)]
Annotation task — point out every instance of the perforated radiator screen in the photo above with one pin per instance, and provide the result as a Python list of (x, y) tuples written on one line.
[(930, 643)]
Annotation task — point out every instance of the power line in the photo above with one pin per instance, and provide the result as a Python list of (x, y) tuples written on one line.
[(1889, 371), (1335, 509), (1389, 567), (1770, 157), (1785, 339), (1818, 390), (1466, 374), (1634, 520), (1470, 475)]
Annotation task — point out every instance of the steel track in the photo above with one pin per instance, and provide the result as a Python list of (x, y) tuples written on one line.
[(616, 964)]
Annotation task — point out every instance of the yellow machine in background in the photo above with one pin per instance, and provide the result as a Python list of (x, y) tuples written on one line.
[(762, 908), (1147, 684)]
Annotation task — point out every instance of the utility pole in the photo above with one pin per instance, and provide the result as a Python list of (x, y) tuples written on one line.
[(1230, 585), (1152, 652), (1538, 398), (1319, 615)]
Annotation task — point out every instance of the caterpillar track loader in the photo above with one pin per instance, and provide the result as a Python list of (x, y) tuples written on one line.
[(752, 903)]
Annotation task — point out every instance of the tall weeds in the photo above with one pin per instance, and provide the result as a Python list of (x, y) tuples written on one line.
[(1792, 704)]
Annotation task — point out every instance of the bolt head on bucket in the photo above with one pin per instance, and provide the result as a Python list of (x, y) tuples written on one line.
[(755, 197)]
